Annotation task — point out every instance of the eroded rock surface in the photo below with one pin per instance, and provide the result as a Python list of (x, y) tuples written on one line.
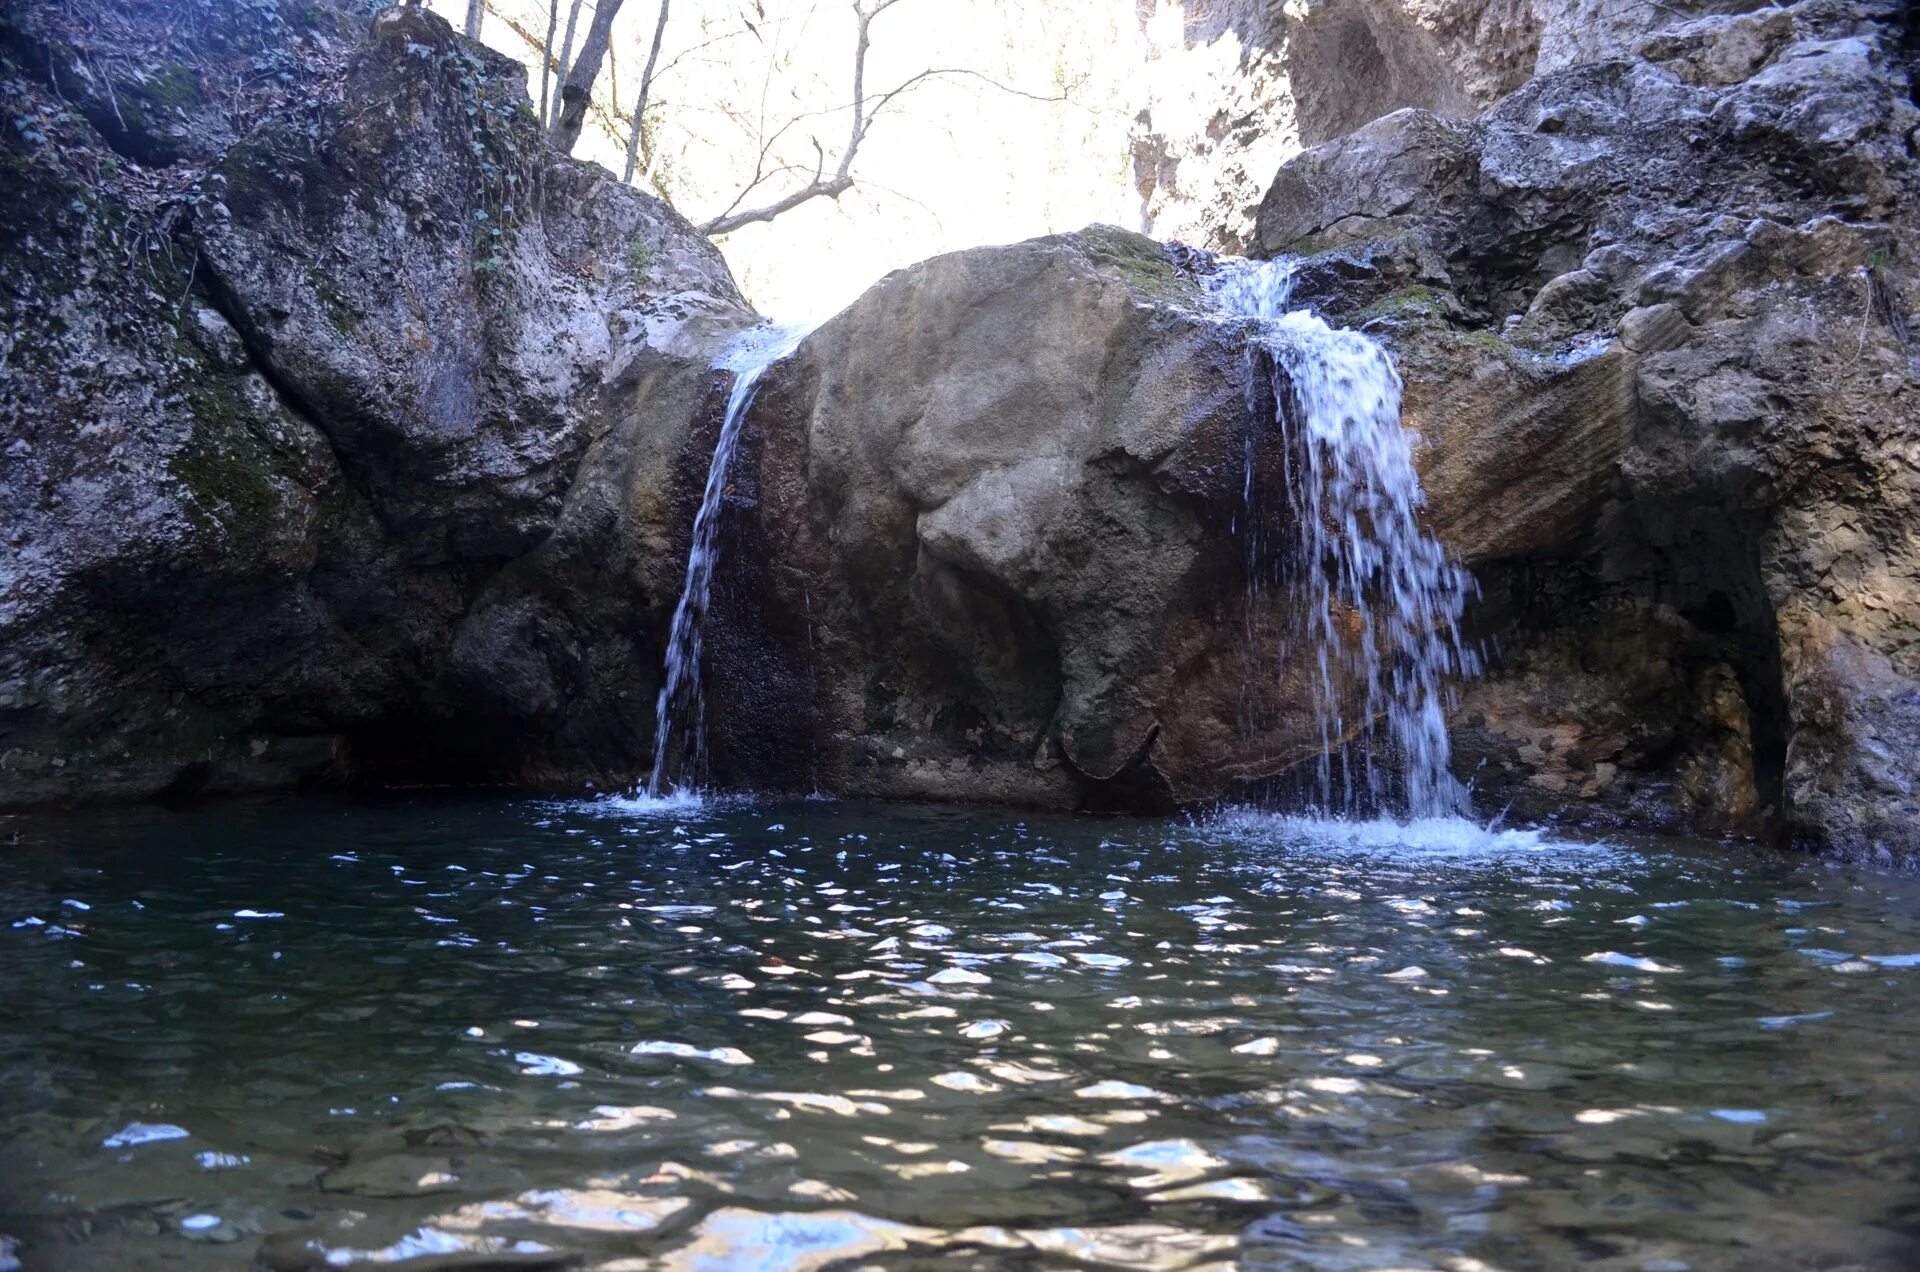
[(1235, 87), (1652, 311)]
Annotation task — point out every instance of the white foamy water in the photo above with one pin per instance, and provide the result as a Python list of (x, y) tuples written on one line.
[(677, 801), (1377, 600), (680, 715), (1455, 840)]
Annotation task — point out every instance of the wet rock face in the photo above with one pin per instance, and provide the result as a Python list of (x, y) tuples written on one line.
[(292, 409), (1652, 312), (349, 428)]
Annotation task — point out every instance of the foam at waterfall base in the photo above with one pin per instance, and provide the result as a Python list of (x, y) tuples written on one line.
[(678, 801), (1455, 840)]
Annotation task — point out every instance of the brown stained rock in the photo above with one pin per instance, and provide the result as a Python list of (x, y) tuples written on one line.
[(1623, 717), (1654, 328), (998, 495), (1517, 452), (1410, 163), (1850, 770)]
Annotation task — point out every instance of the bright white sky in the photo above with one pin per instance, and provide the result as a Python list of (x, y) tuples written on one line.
[(954, 163)]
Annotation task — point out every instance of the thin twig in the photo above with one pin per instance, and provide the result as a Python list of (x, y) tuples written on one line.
[(842, 179)]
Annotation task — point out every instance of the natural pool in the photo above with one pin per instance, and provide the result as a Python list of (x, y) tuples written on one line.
[(490, 1033)]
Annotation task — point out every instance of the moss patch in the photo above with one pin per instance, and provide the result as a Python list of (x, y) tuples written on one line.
[(175, 86), (1311, 245), (228, 469), (640, 260), (345, 317), (1408, 302), (1135, 259)]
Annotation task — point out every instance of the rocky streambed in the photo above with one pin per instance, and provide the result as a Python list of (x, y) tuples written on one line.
[(356, 435)]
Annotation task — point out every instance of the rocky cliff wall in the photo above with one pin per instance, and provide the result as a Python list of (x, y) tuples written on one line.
[(302, 370), (1652, 311), (1236, 87), (349, 429)]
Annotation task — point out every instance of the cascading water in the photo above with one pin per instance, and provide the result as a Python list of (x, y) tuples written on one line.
[(680, 715), (1378, 601)]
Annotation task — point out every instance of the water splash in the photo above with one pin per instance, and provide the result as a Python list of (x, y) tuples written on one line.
[(678, 802), (680, 725), (1435, 842), (1379, 601)]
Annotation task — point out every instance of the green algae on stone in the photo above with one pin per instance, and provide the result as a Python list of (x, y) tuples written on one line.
[(175, 86), (1409, 302), (1137, 260)]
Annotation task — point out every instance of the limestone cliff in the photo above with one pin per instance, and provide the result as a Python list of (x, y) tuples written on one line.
[(1235, 87), (311, 344), (1652, 311)]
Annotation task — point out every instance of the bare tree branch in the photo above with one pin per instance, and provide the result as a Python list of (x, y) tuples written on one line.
[(689, 51), (821, 186), (476, 9), (832, 186)]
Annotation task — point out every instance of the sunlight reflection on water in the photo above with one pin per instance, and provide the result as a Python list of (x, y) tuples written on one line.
[(728, 1032)]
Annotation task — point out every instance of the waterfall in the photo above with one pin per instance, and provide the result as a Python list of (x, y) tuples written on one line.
[(1377, 600), (680, 714)]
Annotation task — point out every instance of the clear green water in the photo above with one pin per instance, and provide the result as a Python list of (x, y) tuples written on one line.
[(813, 1035)]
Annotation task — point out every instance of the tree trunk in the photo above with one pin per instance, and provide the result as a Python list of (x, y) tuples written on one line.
[(646, 86), (576, 91), (476, 10), (566, 59), (546, 58)]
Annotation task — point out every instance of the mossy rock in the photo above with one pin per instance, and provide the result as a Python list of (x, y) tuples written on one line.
[(1418, 301), (240, 467), (1142, 263), (174, 87), (346, 318)]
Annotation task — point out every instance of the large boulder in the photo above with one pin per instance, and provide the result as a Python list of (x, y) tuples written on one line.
[(448, 294), (298, 382), (508, 348), (992, 539), (165, 509)]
